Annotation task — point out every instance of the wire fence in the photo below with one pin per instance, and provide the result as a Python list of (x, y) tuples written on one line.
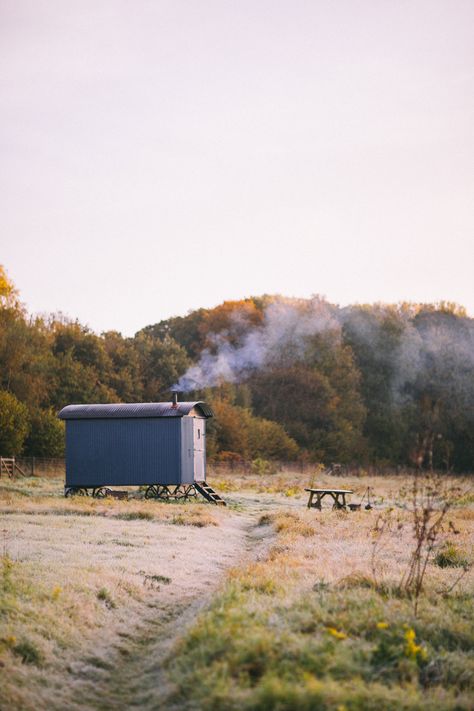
[(56, 467), (41, 466), (249, 466), (259, 466)]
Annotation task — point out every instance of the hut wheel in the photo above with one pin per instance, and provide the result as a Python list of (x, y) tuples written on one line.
[(179, 493), (188, 492), (101, 492), (151, 492), (76, 491), (163, 493)]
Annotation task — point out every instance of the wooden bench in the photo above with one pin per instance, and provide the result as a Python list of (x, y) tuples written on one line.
[(338, 496)]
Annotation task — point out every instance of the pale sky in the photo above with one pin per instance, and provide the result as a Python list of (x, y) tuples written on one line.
[(161, 156)]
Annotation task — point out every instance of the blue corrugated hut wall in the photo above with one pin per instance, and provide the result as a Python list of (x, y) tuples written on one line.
[(130, 452), (112, 445)]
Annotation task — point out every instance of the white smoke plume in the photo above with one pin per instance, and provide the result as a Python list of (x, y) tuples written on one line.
[(287, 325)]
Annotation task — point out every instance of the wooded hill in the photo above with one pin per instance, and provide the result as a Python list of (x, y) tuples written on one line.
[(287, 378)]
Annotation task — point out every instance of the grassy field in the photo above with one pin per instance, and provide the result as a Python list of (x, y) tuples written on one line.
[(263, 605)]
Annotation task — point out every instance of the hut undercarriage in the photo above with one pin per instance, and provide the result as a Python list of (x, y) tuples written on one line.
[(160, 492)]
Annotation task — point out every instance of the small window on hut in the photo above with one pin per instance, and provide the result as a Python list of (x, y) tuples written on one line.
[(199, 433)]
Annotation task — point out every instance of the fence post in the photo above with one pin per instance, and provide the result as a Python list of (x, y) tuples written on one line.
[(33, 467)]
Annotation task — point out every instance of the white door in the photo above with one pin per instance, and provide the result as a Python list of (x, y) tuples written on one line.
[(199, 438), (198, 434)]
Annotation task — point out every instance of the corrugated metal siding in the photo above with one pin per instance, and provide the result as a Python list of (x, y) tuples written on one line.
[(123, 452), (138, 409)]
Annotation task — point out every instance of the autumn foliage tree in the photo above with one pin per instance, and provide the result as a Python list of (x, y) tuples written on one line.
[(14, 424), (389, 384), (235, 430)]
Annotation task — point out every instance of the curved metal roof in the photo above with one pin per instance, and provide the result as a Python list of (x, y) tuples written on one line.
[(138, 409)]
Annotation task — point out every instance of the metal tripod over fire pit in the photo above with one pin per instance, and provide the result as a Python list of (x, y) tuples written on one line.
[(367, 507)]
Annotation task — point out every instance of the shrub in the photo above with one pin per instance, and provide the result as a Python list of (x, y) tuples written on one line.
[(29, 653), (449, 556), (263, 466), (104, 595)]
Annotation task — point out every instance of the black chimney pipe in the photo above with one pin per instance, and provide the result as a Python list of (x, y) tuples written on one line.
[(174, 399)]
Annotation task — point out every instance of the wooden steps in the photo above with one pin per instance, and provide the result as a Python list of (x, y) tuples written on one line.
[(209, 493)]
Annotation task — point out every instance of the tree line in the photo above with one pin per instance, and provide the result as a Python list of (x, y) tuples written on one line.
[(287, 378)]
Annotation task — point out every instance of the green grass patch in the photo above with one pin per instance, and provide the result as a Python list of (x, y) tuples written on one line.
[(347, 647), (28, 652)]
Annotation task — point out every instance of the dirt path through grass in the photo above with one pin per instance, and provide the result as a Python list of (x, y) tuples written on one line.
[(129, 672)]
